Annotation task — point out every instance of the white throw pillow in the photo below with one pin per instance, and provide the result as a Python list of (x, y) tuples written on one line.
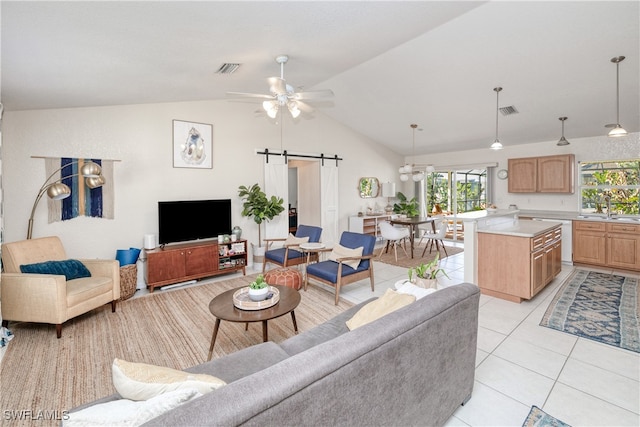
[(342, 252), (140, 381), (411, 289), (124, 412), (389, 302), (293, 240)]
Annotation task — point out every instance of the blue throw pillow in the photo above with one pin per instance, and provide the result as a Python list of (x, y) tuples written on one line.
[(71, 268)]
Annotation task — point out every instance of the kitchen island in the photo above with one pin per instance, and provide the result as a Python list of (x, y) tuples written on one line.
[(517, 259)]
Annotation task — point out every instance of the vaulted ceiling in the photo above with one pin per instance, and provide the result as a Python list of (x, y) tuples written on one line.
[(389, 64)]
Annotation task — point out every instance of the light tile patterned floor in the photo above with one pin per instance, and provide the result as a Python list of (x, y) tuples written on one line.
[(519, 363)]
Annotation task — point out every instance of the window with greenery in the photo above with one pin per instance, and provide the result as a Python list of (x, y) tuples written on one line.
[(469, 193), (617, 181)]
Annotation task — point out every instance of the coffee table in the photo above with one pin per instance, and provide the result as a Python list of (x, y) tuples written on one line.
[(223, 309)]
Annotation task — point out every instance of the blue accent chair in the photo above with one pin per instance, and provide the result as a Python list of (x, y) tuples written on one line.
[(288, 256), (338, 274)]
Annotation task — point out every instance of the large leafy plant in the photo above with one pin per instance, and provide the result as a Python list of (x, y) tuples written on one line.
[(258, 206), (408, 207)]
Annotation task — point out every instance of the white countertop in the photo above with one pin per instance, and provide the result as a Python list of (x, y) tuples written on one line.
[(520, 228)]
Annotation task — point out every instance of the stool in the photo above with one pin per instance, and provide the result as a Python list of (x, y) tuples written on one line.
[(285, 277)]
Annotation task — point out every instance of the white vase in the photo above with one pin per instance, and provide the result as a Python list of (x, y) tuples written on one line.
[(426, 283), (258, 294)]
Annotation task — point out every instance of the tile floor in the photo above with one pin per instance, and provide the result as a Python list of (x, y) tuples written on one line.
[(520, 364)]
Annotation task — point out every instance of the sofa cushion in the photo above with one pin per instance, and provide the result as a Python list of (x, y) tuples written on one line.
[(70, 268), (125, 412), (293, 240), (340, 251), (242, 363), (140, 381), (323, 332), (389, 302), (82, 290)]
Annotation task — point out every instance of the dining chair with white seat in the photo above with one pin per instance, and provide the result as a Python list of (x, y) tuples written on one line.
[(394, 236), (440, 233)]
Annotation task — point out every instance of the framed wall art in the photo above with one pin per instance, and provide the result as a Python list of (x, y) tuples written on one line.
[(192, 145)]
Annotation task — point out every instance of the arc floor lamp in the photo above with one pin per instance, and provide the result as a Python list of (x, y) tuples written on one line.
[(57, 190)]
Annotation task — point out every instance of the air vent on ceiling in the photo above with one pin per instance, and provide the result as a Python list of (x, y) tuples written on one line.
[(507, 111), (227, 68)]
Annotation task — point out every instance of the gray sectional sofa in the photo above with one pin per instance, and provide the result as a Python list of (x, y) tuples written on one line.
[(413, 367)]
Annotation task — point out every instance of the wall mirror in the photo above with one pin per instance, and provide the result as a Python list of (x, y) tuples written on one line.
[(368, 187)]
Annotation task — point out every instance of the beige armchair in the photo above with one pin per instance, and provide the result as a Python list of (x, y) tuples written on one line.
[(50, 298)]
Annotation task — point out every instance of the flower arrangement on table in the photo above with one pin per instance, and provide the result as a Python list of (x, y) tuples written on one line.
[(258, 289)]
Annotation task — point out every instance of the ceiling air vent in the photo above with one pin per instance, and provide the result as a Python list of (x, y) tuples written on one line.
[(227, 68), (507, 111)]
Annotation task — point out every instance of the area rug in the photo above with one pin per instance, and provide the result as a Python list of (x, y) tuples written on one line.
[(407, 261), (598, 306), (169, 328), (538, 418)]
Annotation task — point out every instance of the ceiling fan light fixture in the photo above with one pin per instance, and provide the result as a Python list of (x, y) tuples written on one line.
[(497, 145), (404, 177), (617, 131), (293, 109)]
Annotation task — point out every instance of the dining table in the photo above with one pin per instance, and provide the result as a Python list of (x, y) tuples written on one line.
[(413, 223)]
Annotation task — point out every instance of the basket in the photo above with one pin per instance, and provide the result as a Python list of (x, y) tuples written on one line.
[(128, 281)]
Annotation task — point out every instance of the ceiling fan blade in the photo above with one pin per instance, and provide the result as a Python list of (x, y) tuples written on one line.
[(248, 95), (304, 107), (277, 86), (314, 94)]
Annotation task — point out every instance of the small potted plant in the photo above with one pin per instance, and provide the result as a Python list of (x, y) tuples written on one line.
[(258, 289), (426, 275)]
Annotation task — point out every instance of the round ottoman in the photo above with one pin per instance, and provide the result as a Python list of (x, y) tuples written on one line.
[(285, 277)]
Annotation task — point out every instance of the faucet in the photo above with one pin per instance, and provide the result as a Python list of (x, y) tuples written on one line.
[(607, 199)]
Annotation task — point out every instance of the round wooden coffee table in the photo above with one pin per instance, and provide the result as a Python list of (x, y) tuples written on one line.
[(223, 309)]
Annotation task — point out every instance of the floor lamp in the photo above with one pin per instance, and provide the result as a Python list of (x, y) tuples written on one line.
[(56, 190)]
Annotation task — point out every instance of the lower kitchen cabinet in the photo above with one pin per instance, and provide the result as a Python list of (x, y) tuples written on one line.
[(516, 268), (607, 244)]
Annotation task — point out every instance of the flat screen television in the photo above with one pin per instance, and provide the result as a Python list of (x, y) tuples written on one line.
[(186, 220)]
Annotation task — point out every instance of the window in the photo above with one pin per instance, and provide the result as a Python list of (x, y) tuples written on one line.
[(466, 189), (615, 182)]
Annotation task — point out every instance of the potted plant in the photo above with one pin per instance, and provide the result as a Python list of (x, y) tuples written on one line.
[(258, 289), (261, 208), (408, 207), (426, 275)]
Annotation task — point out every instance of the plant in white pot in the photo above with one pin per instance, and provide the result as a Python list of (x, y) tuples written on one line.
[(258, 289), (426, 275), (261, 208)]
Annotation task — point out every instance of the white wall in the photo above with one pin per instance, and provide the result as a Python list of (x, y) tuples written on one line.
[(585, 149), (141, 137)]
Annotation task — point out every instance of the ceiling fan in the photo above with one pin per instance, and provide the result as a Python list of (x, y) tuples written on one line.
[(284, 95)]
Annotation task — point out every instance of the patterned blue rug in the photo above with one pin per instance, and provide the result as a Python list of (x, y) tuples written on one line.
[(599, 306), (538, 418)]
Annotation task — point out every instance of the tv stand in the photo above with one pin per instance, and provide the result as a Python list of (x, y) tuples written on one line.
[(182, 262)]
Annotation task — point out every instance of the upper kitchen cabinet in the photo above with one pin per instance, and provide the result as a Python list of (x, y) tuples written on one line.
[(547, 174)]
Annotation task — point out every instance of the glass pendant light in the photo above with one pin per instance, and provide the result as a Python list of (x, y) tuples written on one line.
[(497, 145), (563, 140), (618, 130)]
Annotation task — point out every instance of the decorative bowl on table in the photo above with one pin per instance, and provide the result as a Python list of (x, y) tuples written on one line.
[(242, 301), (258, 294)]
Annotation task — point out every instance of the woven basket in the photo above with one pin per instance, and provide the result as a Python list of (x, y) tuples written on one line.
[(128, 281)]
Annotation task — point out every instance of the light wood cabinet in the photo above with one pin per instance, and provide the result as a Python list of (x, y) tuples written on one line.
[(189, 261), (607, 244), (547, 174), (367, 224), (517, 268)]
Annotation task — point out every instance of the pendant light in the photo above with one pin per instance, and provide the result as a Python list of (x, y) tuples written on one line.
[(563, 140), (497, 145), (617, 131), (407, 169)]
